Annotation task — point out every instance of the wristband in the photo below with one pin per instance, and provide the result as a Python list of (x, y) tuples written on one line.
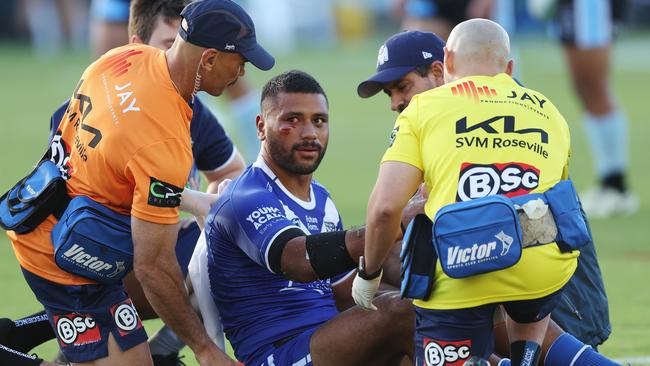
[(362, 271)]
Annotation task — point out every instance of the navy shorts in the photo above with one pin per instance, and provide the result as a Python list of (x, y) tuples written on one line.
[(83, 317), (294, 351), (185, 244), (451, 337), (454, 11)]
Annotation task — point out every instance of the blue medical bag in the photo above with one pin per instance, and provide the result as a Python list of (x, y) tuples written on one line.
[(93, 241), (33, 198), (477, 236), (418, 259)]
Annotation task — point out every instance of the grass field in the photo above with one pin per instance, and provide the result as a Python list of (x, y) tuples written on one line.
[(31, 89)]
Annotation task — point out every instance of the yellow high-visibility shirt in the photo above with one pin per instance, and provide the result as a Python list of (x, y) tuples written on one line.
[(480, 136)]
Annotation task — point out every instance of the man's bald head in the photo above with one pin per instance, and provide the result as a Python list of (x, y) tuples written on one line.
[(477, 47)]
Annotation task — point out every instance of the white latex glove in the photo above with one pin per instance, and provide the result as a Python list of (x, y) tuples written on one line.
[(363, 291)]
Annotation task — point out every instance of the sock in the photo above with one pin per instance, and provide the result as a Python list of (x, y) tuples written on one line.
[(567, 350), (244, 111), (12, 357), (608, 138), (615, 181), (6, 327), (524, 353), (165, 342), (30, 331)]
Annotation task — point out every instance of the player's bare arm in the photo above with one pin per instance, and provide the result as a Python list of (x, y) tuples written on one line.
[(157, 270), (229, 171)]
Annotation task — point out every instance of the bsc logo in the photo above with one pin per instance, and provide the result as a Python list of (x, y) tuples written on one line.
[(125, 316), (76, 329), (444, 353), (60, 155), (509, 179)]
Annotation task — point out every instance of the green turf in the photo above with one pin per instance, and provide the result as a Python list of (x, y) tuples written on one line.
[(31, 89)]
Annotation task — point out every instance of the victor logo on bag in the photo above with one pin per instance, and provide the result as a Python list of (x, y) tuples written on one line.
[(92, 241), (477, 236), (458, 256), (77, 254)]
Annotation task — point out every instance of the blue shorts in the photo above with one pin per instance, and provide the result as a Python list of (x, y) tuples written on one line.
[(294, 351), (83, 317), (587, 24), (185, 244), (451, 337), (115, 11)]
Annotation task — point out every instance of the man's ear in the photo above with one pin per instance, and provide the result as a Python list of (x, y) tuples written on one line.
[(209, 58), (259, 124), (449, 61), (136, 39), (510, 67), (437, 71)]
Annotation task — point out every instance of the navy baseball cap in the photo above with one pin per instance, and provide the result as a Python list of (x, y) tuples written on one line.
[(401, 54), (225, 26)]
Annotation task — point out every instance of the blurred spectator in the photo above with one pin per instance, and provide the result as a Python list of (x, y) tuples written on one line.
[(440, 16), (109, 25), (52, 23), (586, 30)]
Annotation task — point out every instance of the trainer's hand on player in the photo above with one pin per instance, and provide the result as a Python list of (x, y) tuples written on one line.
[(197, 203), (223, 185), (364, 290), (213, 356)]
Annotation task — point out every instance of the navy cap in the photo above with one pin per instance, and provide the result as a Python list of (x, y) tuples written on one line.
[(401, 54), (225, 26)]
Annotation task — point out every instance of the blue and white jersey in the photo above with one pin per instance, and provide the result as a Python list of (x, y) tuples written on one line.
[(259, 307)]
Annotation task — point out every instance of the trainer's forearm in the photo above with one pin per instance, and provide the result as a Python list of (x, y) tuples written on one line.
[(197, 203), (381, 230), (163, 287)]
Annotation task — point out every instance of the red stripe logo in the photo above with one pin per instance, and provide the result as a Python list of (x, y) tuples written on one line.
[(118, 64), (470, 90)]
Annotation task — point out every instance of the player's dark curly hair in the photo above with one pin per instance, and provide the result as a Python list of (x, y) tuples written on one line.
[(144, 13), (423, 70), (294, 81)]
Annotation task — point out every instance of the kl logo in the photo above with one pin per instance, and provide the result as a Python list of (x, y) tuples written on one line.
[(468, 89)]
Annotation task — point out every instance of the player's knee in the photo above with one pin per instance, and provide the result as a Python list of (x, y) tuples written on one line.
[(398, 313), (594, 94)]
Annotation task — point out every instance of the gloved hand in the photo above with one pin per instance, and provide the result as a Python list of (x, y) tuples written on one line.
[(364, 290)]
